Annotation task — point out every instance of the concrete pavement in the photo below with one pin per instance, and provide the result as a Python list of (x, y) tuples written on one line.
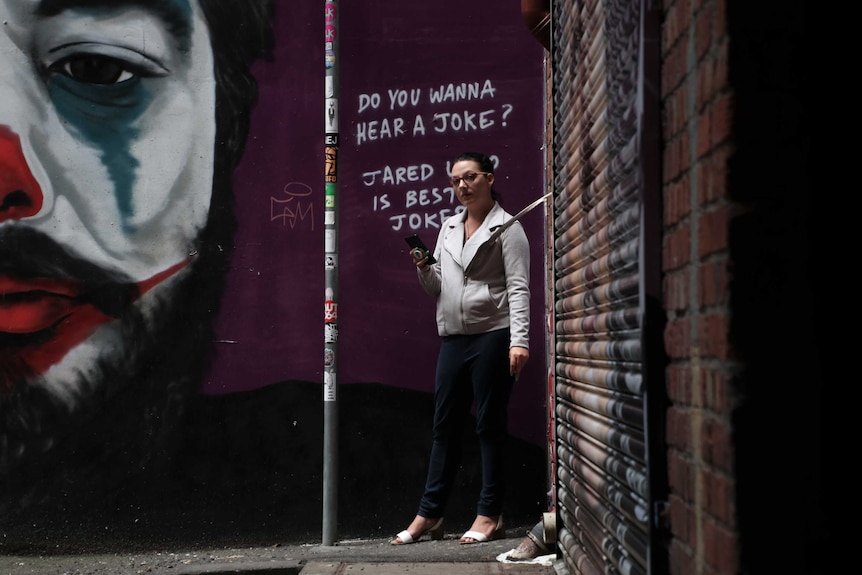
[(353, 557)]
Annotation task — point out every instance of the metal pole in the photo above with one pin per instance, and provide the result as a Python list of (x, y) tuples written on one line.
[(330, 345)]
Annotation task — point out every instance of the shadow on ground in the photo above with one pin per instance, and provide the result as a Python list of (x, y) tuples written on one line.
[(247, 470)]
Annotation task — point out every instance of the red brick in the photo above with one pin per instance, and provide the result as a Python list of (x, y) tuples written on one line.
[(684, 204), (716, 391), (719, 20), (682, 522), (704, 84), (682, 117), (674, 114), (712, 177), (669, 203), (665, 81), (685, 12), (716, 443), (681, 476), (679, 428), (681, 559), (667, 164), (677, 339), (673, 69), (712, 335), (720, 120), (703, 137), (666, 116), (713, 231), (679, 384), (703, 31), (683, 15), (672, 26), (712, 283), (675, 291), (719, 80), (684, 155), (720, 548), (719, 492), (677, 201), (677, 249), (672, 163)]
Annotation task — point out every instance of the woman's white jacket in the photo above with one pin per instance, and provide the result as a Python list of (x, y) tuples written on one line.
[(481, 286)]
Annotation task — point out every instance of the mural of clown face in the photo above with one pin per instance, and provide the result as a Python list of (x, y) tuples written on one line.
[(106, 133), (108, 122)]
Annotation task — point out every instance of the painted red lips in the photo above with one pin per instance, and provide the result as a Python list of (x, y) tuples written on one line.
[(50, 312), (50, 316), (29, 306)]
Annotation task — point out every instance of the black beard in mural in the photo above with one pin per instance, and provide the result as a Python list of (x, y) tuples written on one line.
[(115, 409), (94, 401)]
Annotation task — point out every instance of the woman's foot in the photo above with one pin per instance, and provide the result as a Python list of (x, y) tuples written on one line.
[(484, 529), (418, 528)]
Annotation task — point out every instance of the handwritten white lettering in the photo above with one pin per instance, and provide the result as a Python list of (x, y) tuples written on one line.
[(459, 92), (415, 195), (398, 175)]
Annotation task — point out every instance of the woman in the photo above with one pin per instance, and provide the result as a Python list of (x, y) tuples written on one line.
[(483, 316)]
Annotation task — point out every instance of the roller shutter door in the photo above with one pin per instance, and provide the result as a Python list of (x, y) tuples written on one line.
[(610, 474)]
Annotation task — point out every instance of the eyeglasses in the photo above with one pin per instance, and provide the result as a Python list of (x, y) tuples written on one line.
[(469, 177)]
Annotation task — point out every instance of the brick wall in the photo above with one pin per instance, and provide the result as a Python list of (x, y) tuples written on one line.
[(696, 130), (742, 286), (744, 428)]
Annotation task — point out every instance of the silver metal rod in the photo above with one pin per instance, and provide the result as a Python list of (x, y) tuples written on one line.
[(330, 351)]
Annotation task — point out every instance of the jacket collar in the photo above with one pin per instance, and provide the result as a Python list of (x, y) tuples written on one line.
[(453, 238)]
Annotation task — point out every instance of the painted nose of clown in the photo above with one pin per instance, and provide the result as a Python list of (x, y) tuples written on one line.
[(20, 194)]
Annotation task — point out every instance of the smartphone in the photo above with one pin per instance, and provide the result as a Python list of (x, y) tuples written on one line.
[(415, 242)]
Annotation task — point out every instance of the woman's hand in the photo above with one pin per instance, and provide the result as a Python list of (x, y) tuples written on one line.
[(420, 258), (518, 356)]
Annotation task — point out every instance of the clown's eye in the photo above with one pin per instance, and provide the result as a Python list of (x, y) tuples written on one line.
[(94, 69), (102, 64)]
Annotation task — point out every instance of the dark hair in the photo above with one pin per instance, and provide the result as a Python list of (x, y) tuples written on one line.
[(486, 164), (240, 34)]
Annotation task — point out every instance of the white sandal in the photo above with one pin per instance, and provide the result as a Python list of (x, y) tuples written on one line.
[(499, 532), (404, 538)]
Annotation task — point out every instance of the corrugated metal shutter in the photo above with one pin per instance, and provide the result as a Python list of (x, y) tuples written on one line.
[(606, 492)]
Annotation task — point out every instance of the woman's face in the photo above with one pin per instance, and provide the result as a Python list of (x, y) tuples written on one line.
[(472, 185)]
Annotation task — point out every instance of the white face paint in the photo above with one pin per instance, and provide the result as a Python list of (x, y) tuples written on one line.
[(107, 133), (114, 107)]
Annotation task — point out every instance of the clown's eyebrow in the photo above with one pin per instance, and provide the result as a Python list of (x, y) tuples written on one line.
[(175, 14)]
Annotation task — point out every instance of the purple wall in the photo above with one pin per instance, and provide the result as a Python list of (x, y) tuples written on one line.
[(400, 69), (122, 443), (387, 321), (269, 328)]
